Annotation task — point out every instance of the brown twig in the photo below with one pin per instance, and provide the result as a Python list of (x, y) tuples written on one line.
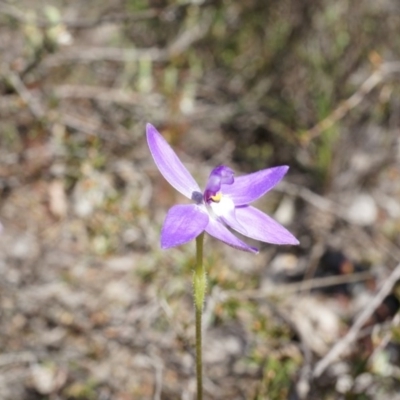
[(331, 207), (343, 344), (88, 54), (181, 43), (387, 336), (105, 94), (106, 16), (40, 112), (305, 285), (20, 88), (381, 74), (82, 23), (312, 198)]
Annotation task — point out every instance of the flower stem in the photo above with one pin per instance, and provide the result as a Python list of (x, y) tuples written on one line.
[(199, 289)]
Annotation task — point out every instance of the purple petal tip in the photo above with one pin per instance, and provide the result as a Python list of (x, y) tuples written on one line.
[(169, 164)]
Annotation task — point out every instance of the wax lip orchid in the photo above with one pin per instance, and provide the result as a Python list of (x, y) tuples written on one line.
[(224, 202)]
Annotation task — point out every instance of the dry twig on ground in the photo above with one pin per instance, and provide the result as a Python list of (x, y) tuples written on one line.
[(380, 75), (342, 345)]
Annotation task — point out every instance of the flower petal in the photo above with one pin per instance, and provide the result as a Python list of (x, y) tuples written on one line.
[(248, 188), (169, 164), (182, 224), (261, 227), (225, 210), (219, 175), (219, 231)]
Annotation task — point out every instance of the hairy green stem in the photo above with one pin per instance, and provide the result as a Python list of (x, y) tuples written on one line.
[(199, 289)]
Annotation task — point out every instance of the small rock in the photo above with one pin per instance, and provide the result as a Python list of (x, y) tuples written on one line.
[(121, 263), (91, 192), (25, 247), (58, 203), (363, 382), (318, 325), (285, 262), (221, 349), (47, 379), (283, 268), (285, 212), (120, 292), (362, 210), (344, 383)]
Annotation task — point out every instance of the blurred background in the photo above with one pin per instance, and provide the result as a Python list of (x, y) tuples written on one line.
[(90, 307)]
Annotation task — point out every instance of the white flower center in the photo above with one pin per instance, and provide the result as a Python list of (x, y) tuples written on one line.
[(223, 206)]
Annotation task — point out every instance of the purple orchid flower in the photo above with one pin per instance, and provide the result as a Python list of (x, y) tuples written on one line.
[(224, 203)]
